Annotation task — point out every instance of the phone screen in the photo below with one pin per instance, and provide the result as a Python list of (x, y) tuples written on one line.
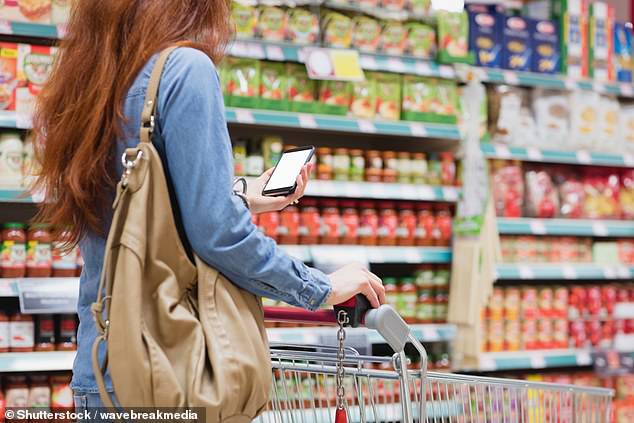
[(288, 169)]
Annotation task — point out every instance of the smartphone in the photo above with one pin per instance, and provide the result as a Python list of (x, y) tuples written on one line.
[(283, 181)]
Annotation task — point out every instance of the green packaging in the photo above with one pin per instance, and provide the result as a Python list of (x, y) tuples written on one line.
[(301, 89), (245, 19), (453, 36), (334, 97), (273, 91), (242, 79), (388, 93), (337, 30), (363, 101), (430, 100), (421, 41)]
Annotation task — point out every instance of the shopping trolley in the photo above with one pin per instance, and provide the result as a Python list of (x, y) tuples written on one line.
[(336, 384)]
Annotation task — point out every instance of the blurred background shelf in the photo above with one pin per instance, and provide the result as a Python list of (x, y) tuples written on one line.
[(571, 227)]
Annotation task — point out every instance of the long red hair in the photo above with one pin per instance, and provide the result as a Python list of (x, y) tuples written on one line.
[(79, 114)]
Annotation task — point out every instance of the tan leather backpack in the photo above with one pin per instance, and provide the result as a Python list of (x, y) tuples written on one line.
[(177, 334)]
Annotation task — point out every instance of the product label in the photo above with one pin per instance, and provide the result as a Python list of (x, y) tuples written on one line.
[(13, 254), (62, 260), (38, 254), (623, 52), (516, 41), (545, 45), (22, 334), (485, 34)]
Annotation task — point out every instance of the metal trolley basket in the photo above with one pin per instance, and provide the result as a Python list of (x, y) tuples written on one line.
[(310, 383)]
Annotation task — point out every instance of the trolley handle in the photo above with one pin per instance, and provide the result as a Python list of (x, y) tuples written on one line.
[(356, 308)]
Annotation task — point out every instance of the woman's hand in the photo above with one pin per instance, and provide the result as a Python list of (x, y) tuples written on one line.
[(355, 279), (262, 204)]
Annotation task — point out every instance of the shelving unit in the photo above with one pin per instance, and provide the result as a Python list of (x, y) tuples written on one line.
[(53, 361), (569, 227), (563, 272), (28, 29), (375, 255), (538, 359)]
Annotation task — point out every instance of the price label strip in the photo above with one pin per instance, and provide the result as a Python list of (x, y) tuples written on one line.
[(48, 295)]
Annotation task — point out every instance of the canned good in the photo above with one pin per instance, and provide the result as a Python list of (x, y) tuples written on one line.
[(545, 302), (512, 303), (528, 305), (496, 304), (544, 333), (529, 334), (560, 302)]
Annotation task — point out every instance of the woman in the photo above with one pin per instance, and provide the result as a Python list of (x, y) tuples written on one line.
[(89, 112)]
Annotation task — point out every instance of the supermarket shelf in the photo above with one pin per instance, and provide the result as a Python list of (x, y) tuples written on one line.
[(8, 288), (14, 196), (538, 359), (377, 255), (341, 124), (563, 271), (322, 335), (571, 227), (500, 151), (28, 29), (53, 361), (379, 191)]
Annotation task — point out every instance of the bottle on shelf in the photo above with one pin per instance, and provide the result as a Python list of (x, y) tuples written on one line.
[(22, 330), (13, 262), (39, 260)]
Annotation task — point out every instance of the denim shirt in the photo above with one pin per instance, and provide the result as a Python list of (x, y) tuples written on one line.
[(193, 141)]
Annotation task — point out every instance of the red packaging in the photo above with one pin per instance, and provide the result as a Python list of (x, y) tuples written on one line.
[(269, 223), (508, 188), (608, 331), (331, 224), (442, 234), (626, 194), (593, 331), (577, 302), (620, 326), (571, 192), (608, 299), (545, 302), (560, 333), (542, 199), (560, 303), (568, 250), (406, 224), (512, 303), (544, 334), (622, 294), (577, 334), (426, 223), (526, 249), (593, 300), (602, 194), (496, 304), (629, 326), (512, 335), (529, 334), (529, 305)]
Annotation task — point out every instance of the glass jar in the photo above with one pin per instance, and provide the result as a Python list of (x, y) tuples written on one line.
[(390, 167), (66, 333), (425, 305), (447, 169), (39, 256), (433, 170), (16, 392), (350, 220), (441, 305), (391, 292), (418, 168), (309, 222), (11, 157), (22, 331), (40, 392), (388, 222), (442, 234), (288, 230), (61, 394), (13, 263), (424, 226), (341, 164), (406, 230), (64, 261), (269, 223), (368, 223), (330, 223), (325, 165), (409, 300), (404, 168), (44, 332), (357, 165), (374, 166), (5, 334)]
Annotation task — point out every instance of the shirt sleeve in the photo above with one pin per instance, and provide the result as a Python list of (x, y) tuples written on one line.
[(192, 126)]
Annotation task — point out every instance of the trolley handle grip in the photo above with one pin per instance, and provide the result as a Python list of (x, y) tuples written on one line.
[(356, 307)]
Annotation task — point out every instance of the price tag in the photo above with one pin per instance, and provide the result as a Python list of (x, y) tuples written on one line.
[(5, 27), (584, 358), (511, 78), (418, 129), (307, 121), (534, 154), (449, 194), (48, 295), (526, 272), (570, 84), (426, 192), (62, 30), (366, 126), (624, 272), (584, 157), (368, 62), (446, 72), (487, 363), (609, 272), (412, 256), (538, 361), (255, 51), (274, 53), (569, 272), (626, 90), (422, 68), (502, 151), (599, 229), (244, 116), (538, 227), (628, 159), (395, 65)]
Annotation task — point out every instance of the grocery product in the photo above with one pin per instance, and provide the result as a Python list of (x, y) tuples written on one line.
[(21, 332), (64, 261), (485, 34), (388, 223), (39, 258), (419, 7), (506, 107), (273, 86), (37, 11), (341, 164), (334, 97), (331, 224), (301, 89), (429, 100), (626, 194), (350, 223), (397, 5), (390, 167), (545, 46), (421, 41), (541, 194), (303, 26), (601, 194), (364, 98), (44, 332), (60, 12), (516, 44), (242, 81), (394, 38), (627, 128), (508, 188), (622, 54), (572, 16), (453, 37), (600, 36), (609, 133), (584, 118), (272, 23), (11, 160), (309, 222), (245, 19), (552, 117), (8, 75), (13, 254), (272, 149), (34, 66), (367, 34), (571, 193), (337, 30), (388, 96)]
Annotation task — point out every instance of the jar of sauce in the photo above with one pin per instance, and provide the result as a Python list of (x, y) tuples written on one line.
[(64, 260), (13, 263), (341, 164), (425, 225), (374, 166), (391, 292), (368, 223), (61, 394), (325, 168), (441, 305), (419, 168), (404, 168), (350, 220), (67, 333), (330, 223), (447, 169), (16, 392), (409, 300), (357, 165), (288, 230), (44, 332), (5, 334), (269, 224), (40, 392), (406, 230), (309, 222), (22, 331), (443, 227), (388, 222), (39, 256), (390, 167), (425, 306)]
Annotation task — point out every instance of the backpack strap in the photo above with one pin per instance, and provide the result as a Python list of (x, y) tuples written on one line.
[(151, 96)]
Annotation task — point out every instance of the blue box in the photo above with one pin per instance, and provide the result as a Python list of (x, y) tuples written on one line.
[(546, 57), (485, 34), (623, 52), (516, 44)]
